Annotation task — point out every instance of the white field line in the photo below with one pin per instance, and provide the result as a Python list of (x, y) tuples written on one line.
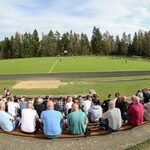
[(53, 66)]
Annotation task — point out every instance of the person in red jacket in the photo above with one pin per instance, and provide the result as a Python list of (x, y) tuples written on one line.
[(136, 112)]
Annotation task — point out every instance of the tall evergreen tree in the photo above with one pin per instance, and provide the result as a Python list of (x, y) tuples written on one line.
[(35, 43), (17, 46), (84, 45), (96, 42)]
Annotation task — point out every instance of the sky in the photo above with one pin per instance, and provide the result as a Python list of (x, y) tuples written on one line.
[(115, 16)]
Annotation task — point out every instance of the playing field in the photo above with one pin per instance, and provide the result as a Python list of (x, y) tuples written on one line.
[(71, 64), (72, 86)]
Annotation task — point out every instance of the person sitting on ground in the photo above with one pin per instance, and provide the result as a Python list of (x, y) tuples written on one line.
[(29, 119), (87, 104), (94, 112), (146, 95), (60, 104), (7, 122), (68, 104), (81, 101), (112, 118), (6, 93), (13, 107), (147, 111), (116, 99), (22, 103), (123, 106), (139, 93), (77, 120), (52, 121), (45, 100), (96, 97), (105, 104), (38, 106), (136, 112)]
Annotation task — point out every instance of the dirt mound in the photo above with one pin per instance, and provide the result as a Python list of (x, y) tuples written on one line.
[(50, 84)]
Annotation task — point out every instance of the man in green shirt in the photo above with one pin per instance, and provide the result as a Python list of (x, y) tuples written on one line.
[(77, 120)]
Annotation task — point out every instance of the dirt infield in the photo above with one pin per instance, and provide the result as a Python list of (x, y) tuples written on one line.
[(50, 84)]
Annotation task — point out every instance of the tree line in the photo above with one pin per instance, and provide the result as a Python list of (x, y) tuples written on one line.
[(54, 44)]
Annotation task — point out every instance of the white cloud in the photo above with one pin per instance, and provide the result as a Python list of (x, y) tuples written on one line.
[(116, 16)]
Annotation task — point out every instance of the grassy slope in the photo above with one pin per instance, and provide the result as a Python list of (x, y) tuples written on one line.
[(71, 64), (103, 88), (27, 65), (142, 146)]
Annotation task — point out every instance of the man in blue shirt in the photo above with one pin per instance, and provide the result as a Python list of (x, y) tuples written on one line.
[(7, 122), (51, 121)]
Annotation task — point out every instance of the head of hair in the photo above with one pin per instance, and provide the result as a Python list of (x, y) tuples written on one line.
[(95, 101), (112, 104), (69, 99), (109, 95), (123, 98), (117, 94), (50, 105), (132, 98), (136, 99), (29, 104), (2, 105), (75, 107)]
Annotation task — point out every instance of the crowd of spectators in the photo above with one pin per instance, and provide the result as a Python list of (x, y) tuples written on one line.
[(55, 114)]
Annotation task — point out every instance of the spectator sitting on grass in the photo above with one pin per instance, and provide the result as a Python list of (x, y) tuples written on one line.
[(136, 112), (7, 122), (13, 106), (60, 104), (105, 104), (51, 120), (29, 119), (147, 111), (123, 106), (87, 104), (38, 106), (77, 120), (111, 119), (68, 104), (94, 112)]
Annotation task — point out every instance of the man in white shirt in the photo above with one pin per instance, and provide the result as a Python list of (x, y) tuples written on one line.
[(68, 105), (87, 104), (28, 120), (13, 107)]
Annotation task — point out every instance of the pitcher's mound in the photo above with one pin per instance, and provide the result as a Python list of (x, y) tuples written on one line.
[(38, 84)]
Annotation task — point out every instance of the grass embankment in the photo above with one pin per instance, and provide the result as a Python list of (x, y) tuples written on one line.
[(142, 146), (71, 64), (103, 86)]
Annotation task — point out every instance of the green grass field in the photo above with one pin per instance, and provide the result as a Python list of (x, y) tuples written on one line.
[(77, 64), (71, 64)]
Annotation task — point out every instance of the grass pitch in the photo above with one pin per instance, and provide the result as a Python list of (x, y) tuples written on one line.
[(77, 64), (72, 64)]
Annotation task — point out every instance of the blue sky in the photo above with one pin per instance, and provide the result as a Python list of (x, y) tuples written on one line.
[(116, 16)]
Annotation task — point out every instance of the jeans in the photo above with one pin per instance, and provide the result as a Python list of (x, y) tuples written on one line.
[(15, 123), (52, 136)]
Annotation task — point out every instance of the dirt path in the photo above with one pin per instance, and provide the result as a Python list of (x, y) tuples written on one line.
[(74, 75)]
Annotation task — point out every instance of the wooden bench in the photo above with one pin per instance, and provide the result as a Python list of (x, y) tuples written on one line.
[(95, 131)]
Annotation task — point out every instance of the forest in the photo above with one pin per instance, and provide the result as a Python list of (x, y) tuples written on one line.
[(54, 44)]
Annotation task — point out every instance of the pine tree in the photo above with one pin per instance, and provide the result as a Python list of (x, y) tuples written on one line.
[(96, 42)]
